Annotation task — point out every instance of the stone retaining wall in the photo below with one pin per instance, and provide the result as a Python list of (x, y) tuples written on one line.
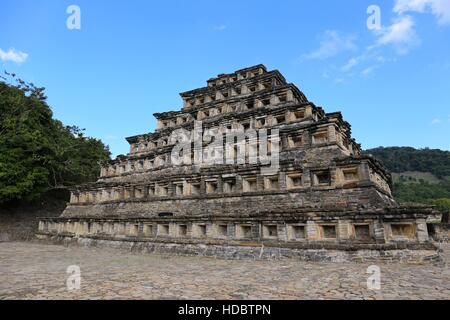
[(426, 254)]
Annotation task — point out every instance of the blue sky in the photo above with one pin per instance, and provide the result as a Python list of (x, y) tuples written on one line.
[(130, 59)]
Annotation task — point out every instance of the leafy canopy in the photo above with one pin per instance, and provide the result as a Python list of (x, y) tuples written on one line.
[(37, 152)]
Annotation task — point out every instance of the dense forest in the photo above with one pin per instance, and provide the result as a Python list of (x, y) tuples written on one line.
[(37, 152), (402, 159), (406, 163)]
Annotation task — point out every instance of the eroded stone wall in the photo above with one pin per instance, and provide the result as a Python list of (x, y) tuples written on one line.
[(231, 205)]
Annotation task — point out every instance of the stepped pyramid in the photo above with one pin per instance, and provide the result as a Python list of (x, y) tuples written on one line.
[(248, 161)]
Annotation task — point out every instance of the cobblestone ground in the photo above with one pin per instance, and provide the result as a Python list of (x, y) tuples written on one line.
[(38, 271)]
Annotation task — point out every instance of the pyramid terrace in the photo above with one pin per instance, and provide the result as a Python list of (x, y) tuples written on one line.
[(248, 167)]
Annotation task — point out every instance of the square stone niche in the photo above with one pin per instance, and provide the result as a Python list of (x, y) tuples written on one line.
[(261, 122), (195, 188), (229, 185), (294, 142), (211, 187), (322, 178), (298, 115), (151, 190), (163, 230), (244, 231), (294, 180), (179, 189), (350, 174), (271, 183), (402, 231), (199, 230), (270, 231), (220, 230), (320, 137), (163, 190), (296, 232), (148, 230), (182, 230), (362, 232), (133, 230), (249, 184), (328, 232)]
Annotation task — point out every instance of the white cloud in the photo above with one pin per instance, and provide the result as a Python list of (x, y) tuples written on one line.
[(368, 70), (382, 59), (13, 55), (331, 44), (439, 8), (400, 34), (350, 64), (369, 60), (325, 75), (220, 28), (436, 121)]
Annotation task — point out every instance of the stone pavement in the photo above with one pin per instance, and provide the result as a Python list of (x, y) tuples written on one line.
[(39, 271)]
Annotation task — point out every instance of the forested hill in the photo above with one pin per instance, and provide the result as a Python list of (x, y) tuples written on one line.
[(403, 159), (420, 175)]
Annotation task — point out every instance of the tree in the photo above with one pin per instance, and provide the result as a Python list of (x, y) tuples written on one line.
[(37, 152), (442, 204)]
